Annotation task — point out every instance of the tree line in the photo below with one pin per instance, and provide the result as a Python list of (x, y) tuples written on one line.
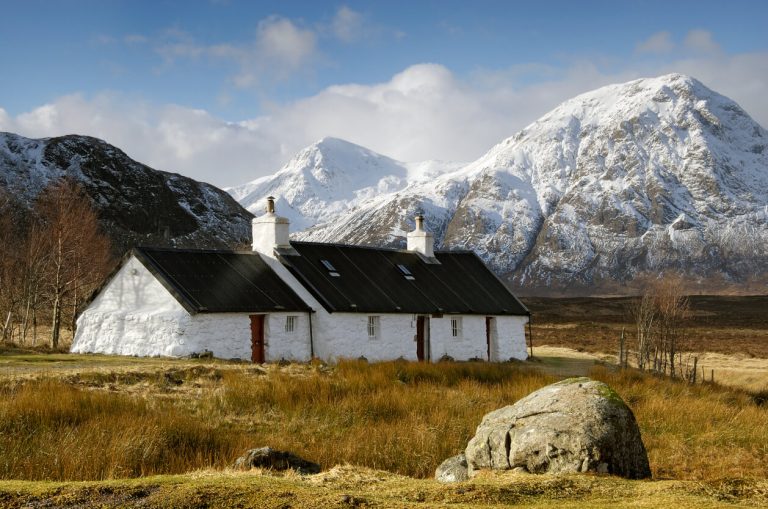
[(52, 257)]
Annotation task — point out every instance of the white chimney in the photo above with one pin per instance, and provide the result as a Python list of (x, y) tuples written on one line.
[(270, 231), (420, 240)]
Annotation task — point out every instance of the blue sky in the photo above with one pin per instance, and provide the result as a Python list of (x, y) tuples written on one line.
[(226, 91)]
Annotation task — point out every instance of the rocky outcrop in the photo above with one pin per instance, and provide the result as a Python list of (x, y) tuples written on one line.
[(576, 425), (135, 204), (271, 459)]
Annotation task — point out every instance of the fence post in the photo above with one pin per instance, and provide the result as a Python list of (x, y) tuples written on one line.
[(693, 372), (621, 349)]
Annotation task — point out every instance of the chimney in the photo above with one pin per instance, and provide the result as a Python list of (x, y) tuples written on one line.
[(420, 240), (270, 231)]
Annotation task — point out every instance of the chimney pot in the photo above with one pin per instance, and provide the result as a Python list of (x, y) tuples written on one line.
[(270, 231), (420, 240)]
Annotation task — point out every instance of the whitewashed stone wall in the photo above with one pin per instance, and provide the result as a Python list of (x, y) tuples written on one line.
[(228, 336), (507, 342), (511, 338), (135, 315)]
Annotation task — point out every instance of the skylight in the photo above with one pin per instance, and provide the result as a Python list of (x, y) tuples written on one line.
[(331, 269), (406, 272)]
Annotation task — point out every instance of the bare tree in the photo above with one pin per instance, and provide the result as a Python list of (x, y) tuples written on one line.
[(644, 314), (77, 253), (659, 316), (12, 249)]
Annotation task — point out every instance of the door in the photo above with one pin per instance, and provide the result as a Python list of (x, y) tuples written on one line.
[(489, 326), (257, 339), (421, 330)]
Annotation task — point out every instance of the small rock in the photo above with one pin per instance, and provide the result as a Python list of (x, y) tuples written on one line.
[(353, 501), (454, 469), (266, 457)]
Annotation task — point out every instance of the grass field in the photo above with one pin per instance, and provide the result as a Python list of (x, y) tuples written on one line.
[(102, 431), (717, 324), (98, 418), (727, 335)]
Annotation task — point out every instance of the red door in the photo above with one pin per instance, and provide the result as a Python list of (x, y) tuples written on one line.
[(257, 339), (420, 326)]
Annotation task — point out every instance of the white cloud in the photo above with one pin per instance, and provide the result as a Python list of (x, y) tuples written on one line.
[(279, 49), (423, 112), (660, 42), (347, 24), (279, 40), (701, 41)]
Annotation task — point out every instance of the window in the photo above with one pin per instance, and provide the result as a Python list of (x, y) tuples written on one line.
[(456, 327), (406, 273), (373, 327), (290, 323), (331, 269)]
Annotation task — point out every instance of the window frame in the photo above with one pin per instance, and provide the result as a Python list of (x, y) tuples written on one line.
[(374, 326), (456, 327), (290, 324)]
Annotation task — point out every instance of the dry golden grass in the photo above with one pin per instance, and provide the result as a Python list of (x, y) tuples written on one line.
[(348, 486), (401, 417), (719, 324)]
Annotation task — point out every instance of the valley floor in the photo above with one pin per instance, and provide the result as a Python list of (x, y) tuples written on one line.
[(107, 431)]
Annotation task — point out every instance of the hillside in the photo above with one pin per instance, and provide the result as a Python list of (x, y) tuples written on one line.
[(135, 203), (650, 176)]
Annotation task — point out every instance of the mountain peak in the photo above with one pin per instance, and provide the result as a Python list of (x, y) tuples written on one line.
[(656, 174)]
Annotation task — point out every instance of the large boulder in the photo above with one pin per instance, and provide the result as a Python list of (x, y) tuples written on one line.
[(576, 425), (271, 459)]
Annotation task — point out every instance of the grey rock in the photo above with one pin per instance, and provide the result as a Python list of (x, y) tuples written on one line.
[(576, 425), (266, 457), (454, 469)]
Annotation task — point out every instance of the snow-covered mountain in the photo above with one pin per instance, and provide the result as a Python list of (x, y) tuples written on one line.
[(135, 204), (331, 178), (654, 175)]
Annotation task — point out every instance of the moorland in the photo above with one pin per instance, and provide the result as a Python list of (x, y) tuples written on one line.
[(91, 430)]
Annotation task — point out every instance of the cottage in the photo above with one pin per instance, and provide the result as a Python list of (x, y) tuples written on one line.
[(299, 300)]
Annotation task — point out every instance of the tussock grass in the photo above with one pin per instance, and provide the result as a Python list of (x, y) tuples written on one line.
[(396, 416)]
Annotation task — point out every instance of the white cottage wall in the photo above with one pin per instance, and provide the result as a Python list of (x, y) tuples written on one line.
[(507, 342), (135, 315), (511, 334), (228, 336), (132, 315), (345, 335)]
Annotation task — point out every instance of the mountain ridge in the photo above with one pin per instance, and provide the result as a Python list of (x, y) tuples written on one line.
[(654, 175), (135, 203)]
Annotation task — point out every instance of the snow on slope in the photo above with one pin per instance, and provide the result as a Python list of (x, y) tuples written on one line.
[(652, 175), (135, 204), (330, 178)]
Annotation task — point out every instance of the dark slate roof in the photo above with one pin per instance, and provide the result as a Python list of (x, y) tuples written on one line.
[(370, 280), (220, 281)]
